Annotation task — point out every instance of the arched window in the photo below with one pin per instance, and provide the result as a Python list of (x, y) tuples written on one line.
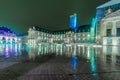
[(109, 28), (118, 28)]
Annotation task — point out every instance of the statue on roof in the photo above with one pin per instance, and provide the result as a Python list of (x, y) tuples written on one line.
[(109, 10)]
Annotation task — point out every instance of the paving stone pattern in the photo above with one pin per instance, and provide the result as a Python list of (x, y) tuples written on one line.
[(61, 68)]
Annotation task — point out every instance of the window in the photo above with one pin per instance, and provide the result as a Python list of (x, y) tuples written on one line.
[(108, 58), (109, 32), (118, 60), (118, 31), (109, 41), (118, 41)]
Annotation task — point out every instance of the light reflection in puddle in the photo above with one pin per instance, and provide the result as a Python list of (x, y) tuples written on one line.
[(108, 55)]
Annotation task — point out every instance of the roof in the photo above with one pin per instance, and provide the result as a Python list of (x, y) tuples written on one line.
[(110, 3), (5, 29), (114, 14), (85, 28)]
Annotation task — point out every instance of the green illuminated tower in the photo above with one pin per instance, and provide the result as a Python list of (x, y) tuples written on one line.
[(92, 30)]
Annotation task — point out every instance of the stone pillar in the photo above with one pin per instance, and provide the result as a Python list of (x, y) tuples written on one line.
[(105, 30), (114, 29)]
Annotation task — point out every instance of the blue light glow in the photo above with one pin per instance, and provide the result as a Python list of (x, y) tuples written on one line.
[(74, 62), (94, 21), (93, 66), (73, 22), (93, 63), (93, 30)]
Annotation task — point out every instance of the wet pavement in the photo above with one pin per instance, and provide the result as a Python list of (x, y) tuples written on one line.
[(87, 64), (71, 62), (62, 68), (6, 64)]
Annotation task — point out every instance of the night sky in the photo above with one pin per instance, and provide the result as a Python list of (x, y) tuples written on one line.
[(19, 15)]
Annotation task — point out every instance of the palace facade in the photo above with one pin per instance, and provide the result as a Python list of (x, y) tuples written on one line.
[(37, 36), (7, 36), (108, 16), (106, 31)]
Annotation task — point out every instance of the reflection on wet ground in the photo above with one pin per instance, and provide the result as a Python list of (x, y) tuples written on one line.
[(10, 54), (78, 62), (60, 68), (71, 62)]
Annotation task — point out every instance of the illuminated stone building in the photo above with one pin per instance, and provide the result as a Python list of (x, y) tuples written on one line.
[(111, 55), (103, 9), (37, 36), (7, 36), (56, 41), (108, 16)]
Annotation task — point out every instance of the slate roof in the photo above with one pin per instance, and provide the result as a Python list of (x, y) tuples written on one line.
[(5, 29), (114, 14), (110, 3), (82, 28)]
